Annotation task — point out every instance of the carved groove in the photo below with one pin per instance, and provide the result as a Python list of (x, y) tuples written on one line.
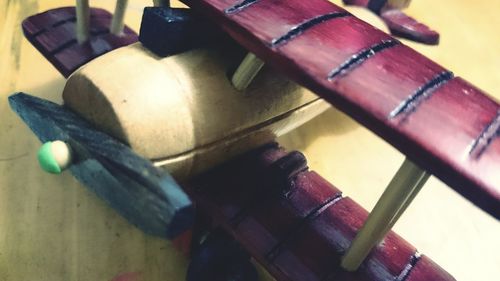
[(490, 132), (239, 6), (405, 273), (412, 102), (299, 29), (73, 19), (63, 47), (360, 57), (276, 250)]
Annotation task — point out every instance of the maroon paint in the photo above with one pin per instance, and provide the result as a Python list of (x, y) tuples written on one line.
[(53, 34), (435, 136), (298, 230), (421, 271), (405, 26), (402, 25)]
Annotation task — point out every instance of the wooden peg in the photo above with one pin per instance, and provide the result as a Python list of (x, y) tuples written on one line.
[(396, 198), (246, 71), (161, 3), (82, 20), (117, 22)]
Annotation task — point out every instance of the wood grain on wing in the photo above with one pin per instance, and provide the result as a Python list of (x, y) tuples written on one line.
[(53, 34), (295, 223), (440, 117)]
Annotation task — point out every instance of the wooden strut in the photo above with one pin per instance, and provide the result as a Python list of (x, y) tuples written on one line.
[(246, 71), (398, 195), (116, 27), (82, 20)]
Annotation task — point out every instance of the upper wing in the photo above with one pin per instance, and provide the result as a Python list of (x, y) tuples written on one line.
[(441, 122)]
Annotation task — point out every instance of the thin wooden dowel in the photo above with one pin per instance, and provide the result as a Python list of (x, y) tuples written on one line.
[(407, 203), (118, 16), (246, 71), (161, 3), (82, 20), (402, 189)]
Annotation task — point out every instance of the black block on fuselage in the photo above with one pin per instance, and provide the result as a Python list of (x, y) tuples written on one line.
[(169, 31)]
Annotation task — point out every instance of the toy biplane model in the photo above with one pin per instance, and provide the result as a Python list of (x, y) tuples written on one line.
[(140, 117)]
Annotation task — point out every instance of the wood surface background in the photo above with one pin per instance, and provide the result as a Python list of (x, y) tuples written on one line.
[(52, 228)]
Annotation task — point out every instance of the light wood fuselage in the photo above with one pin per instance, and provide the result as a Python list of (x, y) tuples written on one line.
[(182, 111)]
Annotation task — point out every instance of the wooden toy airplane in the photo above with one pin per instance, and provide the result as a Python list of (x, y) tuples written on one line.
[(183, 113)]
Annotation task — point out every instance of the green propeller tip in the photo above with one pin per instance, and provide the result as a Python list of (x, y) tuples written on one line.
[(47, 159)]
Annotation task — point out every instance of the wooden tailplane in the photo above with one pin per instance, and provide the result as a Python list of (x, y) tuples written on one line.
[(53, 33)]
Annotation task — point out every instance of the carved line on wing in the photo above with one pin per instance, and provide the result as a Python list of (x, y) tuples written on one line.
[(50, 28), (405, 273), (238, 7), (411, 103), (276, 250), (489, 133), (361, 57), (62, 47), (300, 28)]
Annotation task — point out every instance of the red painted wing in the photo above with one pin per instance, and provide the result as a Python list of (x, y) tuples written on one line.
[(296, 224), (53, 34), (441, 122)]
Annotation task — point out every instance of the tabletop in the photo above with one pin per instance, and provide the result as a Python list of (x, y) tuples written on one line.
[(53, 228)]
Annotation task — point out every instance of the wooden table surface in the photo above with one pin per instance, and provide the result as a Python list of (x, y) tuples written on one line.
[(52, 228)]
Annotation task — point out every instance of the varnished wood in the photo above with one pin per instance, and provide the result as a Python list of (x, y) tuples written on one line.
[(399, 23), (295, 223), (52, 228), (407, 99), (405, 26), (54, 33)]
